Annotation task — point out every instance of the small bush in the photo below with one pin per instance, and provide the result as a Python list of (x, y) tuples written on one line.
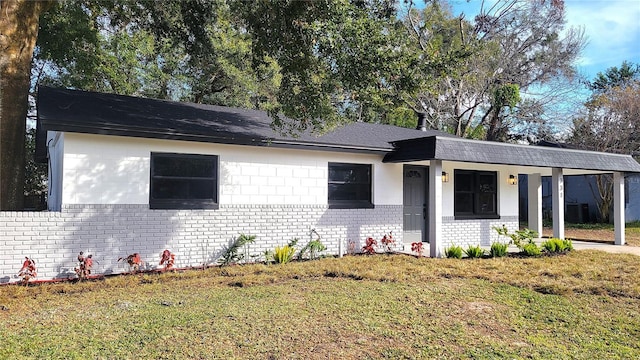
[(417, 248), (498, 249), (230, 253), (388, 242), (474, 252), (283, 255), (568, 245), (554, 245), (370, 246), (531, 249), (520, 238), (454, 252), (313, 247)]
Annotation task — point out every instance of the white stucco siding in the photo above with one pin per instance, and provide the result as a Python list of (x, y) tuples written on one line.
[(105, 170), (116, 170)]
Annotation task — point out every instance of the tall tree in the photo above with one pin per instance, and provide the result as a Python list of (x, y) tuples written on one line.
[(35, 172), (611, 122), (509, 48), (18, 33), (340, 60), (190, 51)]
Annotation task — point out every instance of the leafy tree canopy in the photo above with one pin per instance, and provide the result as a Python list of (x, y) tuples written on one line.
[(510, 45)]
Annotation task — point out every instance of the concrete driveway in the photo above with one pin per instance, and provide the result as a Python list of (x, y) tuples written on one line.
[(616, 249)]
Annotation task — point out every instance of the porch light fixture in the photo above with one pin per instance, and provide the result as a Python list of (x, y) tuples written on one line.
[(445, 177), (513, 180)]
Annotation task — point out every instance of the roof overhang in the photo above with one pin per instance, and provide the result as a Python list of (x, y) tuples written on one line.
[(485, 152), (84, 112)]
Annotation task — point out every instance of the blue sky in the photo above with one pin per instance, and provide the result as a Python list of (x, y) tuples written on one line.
[(612, 30)]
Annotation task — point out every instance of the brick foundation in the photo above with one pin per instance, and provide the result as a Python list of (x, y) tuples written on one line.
[(467, 232), (53, 239)]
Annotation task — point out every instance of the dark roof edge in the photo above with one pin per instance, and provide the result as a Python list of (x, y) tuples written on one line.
[(411, 153), (445, 148), (217, 140)]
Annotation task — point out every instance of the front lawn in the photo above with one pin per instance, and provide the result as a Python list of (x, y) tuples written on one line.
[(582, 305)]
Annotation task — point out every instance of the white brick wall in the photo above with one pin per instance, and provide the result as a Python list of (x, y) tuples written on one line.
[(475, 232), (53, 239)]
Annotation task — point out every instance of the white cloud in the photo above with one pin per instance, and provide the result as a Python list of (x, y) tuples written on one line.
[(612, 28)]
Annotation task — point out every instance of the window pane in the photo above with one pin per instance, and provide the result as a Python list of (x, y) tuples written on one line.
[(349, 184), (486, 203), (201, 189), (170, 189), (342, 192), (463, 181), (487, 182), (350, 174), (475, 193), (464, 203), (183, 166), (183, 181)]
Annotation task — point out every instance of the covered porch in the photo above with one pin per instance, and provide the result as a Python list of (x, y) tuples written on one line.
[(443, 152)]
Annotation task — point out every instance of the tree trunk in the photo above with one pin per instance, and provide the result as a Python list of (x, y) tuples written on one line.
[(603, 194), (18, 33), (494, 118)]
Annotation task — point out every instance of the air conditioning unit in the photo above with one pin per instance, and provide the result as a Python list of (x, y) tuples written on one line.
[(577, 213)]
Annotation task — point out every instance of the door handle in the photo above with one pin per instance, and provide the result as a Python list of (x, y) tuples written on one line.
[(424, 211)]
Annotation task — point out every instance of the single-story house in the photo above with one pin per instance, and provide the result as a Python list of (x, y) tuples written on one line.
[(129, 174)]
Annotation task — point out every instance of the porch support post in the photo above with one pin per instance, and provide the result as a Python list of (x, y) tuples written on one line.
[(435, 208), (618, 207), (534, 182), (557, 194)]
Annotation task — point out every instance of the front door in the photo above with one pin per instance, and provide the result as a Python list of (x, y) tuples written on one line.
[(415, 203)]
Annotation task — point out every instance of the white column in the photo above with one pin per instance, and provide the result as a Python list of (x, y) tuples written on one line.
[(534, 182), (435, 208), (557, 195), (618, 207)]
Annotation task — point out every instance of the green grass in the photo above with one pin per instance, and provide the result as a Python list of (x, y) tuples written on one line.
[(582, 305)]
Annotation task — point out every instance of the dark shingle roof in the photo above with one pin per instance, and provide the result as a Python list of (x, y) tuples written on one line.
[(464, 150), (109, 114)]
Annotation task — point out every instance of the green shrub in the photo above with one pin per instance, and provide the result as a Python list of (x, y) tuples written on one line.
[(520, 238), (268, 256), (498, 249), (313, 247), (550, 246), (474, 252), (554, 245), (568, 245), (283, 255), (454, 252), (531, 249), (230, 253)]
